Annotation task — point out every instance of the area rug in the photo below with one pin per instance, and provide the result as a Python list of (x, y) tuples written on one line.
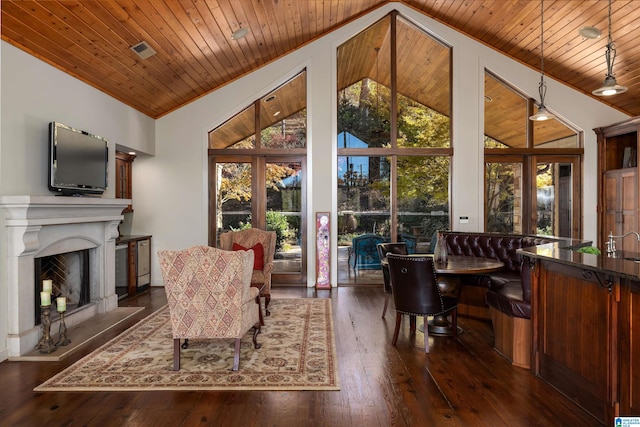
[(297, 353)]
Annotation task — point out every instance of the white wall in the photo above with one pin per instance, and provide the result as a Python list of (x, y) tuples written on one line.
[(33, 94)]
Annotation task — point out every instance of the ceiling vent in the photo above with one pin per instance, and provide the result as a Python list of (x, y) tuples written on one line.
[(143, 50)]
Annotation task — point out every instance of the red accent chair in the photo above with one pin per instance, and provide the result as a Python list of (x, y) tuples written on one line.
[(247, 239)]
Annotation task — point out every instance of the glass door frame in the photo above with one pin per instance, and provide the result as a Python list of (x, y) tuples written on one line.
[(576, 190), (525, 174), (530, 200), (258, 202)]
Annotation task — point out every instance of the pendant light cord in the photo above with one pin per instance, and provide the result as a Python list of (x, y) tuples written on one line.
[(542, 89), (541, 38), (610, 54), (542, 113)]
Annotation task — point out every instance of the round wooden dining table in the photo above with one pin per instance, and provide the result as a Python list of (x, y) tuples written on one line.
[(449, 283), (460, 264)]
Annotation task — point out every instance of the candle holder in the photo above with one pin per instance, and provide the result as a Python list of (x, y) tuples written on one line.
[(62, 332), (46, 342)]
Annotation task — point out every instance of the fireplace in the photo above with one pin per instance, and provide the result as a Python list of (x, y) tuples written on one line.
[(71, 277), (40, 227)]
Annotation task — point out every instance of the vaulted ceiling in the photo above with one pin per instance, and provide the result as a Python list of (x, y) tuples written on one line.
[(195, 53)]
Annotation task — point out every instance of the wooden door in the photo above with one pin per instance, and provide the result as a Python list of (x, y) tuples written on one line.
[(620, 210)]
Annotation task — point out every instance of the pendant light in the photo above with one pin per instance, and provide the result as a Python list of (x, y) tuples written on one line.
[(542, 113), (610, 85)]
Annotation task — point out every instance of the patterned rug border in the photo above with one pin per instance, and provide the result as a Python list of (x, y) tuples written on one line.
[(183, 380)]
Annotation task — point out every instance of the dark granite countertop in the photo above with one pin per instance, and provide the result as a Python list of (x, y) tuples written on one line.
[(622, 265)]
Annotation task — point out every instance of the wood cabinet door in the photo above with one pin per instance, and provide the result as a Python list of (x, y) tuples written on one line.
[(124, 162), (629, 349), (133, 264), (621, 210), (574, 331)]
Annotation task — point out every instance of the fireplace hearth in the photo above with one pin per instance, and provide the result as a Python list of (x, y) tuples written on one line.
[(37, 227)]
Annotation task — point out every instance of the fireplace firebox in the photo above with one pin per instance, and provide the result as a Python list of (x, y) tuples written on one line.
[(71, 276)]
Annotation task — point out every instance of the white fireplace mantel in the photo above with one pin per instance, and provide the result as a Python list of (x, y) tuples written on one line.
[(45, 210), (37, 226)]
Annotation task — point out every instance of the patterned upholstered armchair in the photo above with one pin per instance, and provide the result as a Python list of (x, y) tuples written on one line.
[(264, 245), (210, 296)]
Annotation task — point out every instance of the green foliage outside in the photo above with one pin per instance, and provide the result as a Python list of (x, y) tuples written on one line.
[(422, 180), (277, 222)]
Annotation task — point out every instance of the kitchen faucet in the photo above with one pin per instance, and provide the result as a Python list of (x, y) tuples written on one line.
[(611, 244)]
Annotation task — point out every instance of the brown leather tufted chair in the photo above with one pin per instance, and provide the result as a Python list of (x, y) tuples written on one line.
[(399, 248), (416, 293)]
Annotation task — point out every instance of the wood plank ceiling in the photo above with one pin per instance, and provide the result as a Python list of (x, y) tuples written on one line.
[(91, 40)]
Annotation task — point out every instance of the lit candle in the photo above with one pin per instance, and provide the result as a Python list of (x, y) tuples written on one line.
[(47, 286), (61, 302), (45, 299)]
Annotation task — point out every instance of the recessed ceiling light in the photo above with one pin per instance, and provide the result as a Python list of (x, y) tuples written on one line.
[(590, 32), (133, 153), (143, 50), (487, 98), (239, 34), (271, 98), (276, 114)]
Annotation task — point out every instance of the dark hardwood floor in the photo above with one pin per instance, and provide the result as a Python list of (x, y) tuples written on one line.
[(464, 383)]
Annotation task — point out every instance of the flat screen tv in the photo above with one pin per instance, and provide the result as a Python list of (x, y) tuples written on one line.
[(78, 161)]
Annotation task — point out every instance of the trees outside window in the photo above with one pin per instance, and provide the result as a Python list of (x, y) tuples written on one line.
[(394, 133)]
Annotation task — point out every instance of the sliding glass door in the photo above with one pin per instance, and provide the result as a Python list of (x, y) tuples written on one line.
[(284, 201), (556, 194)]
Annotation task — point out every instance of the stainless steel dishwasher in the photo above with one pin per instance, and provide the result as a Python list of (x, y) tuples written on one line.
[(144, 261)]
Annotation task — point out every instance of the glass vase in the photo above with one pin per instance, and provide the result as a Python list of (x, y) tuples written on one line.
[(441, 251)]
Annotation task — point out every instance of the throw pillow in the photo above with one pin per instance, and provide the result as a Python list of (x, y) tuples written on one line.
[(258, 254)]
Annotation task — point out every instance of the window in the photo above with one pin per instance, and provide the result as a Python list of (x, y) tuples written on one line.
[(532, 168), (394, 134), (257, 164)]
